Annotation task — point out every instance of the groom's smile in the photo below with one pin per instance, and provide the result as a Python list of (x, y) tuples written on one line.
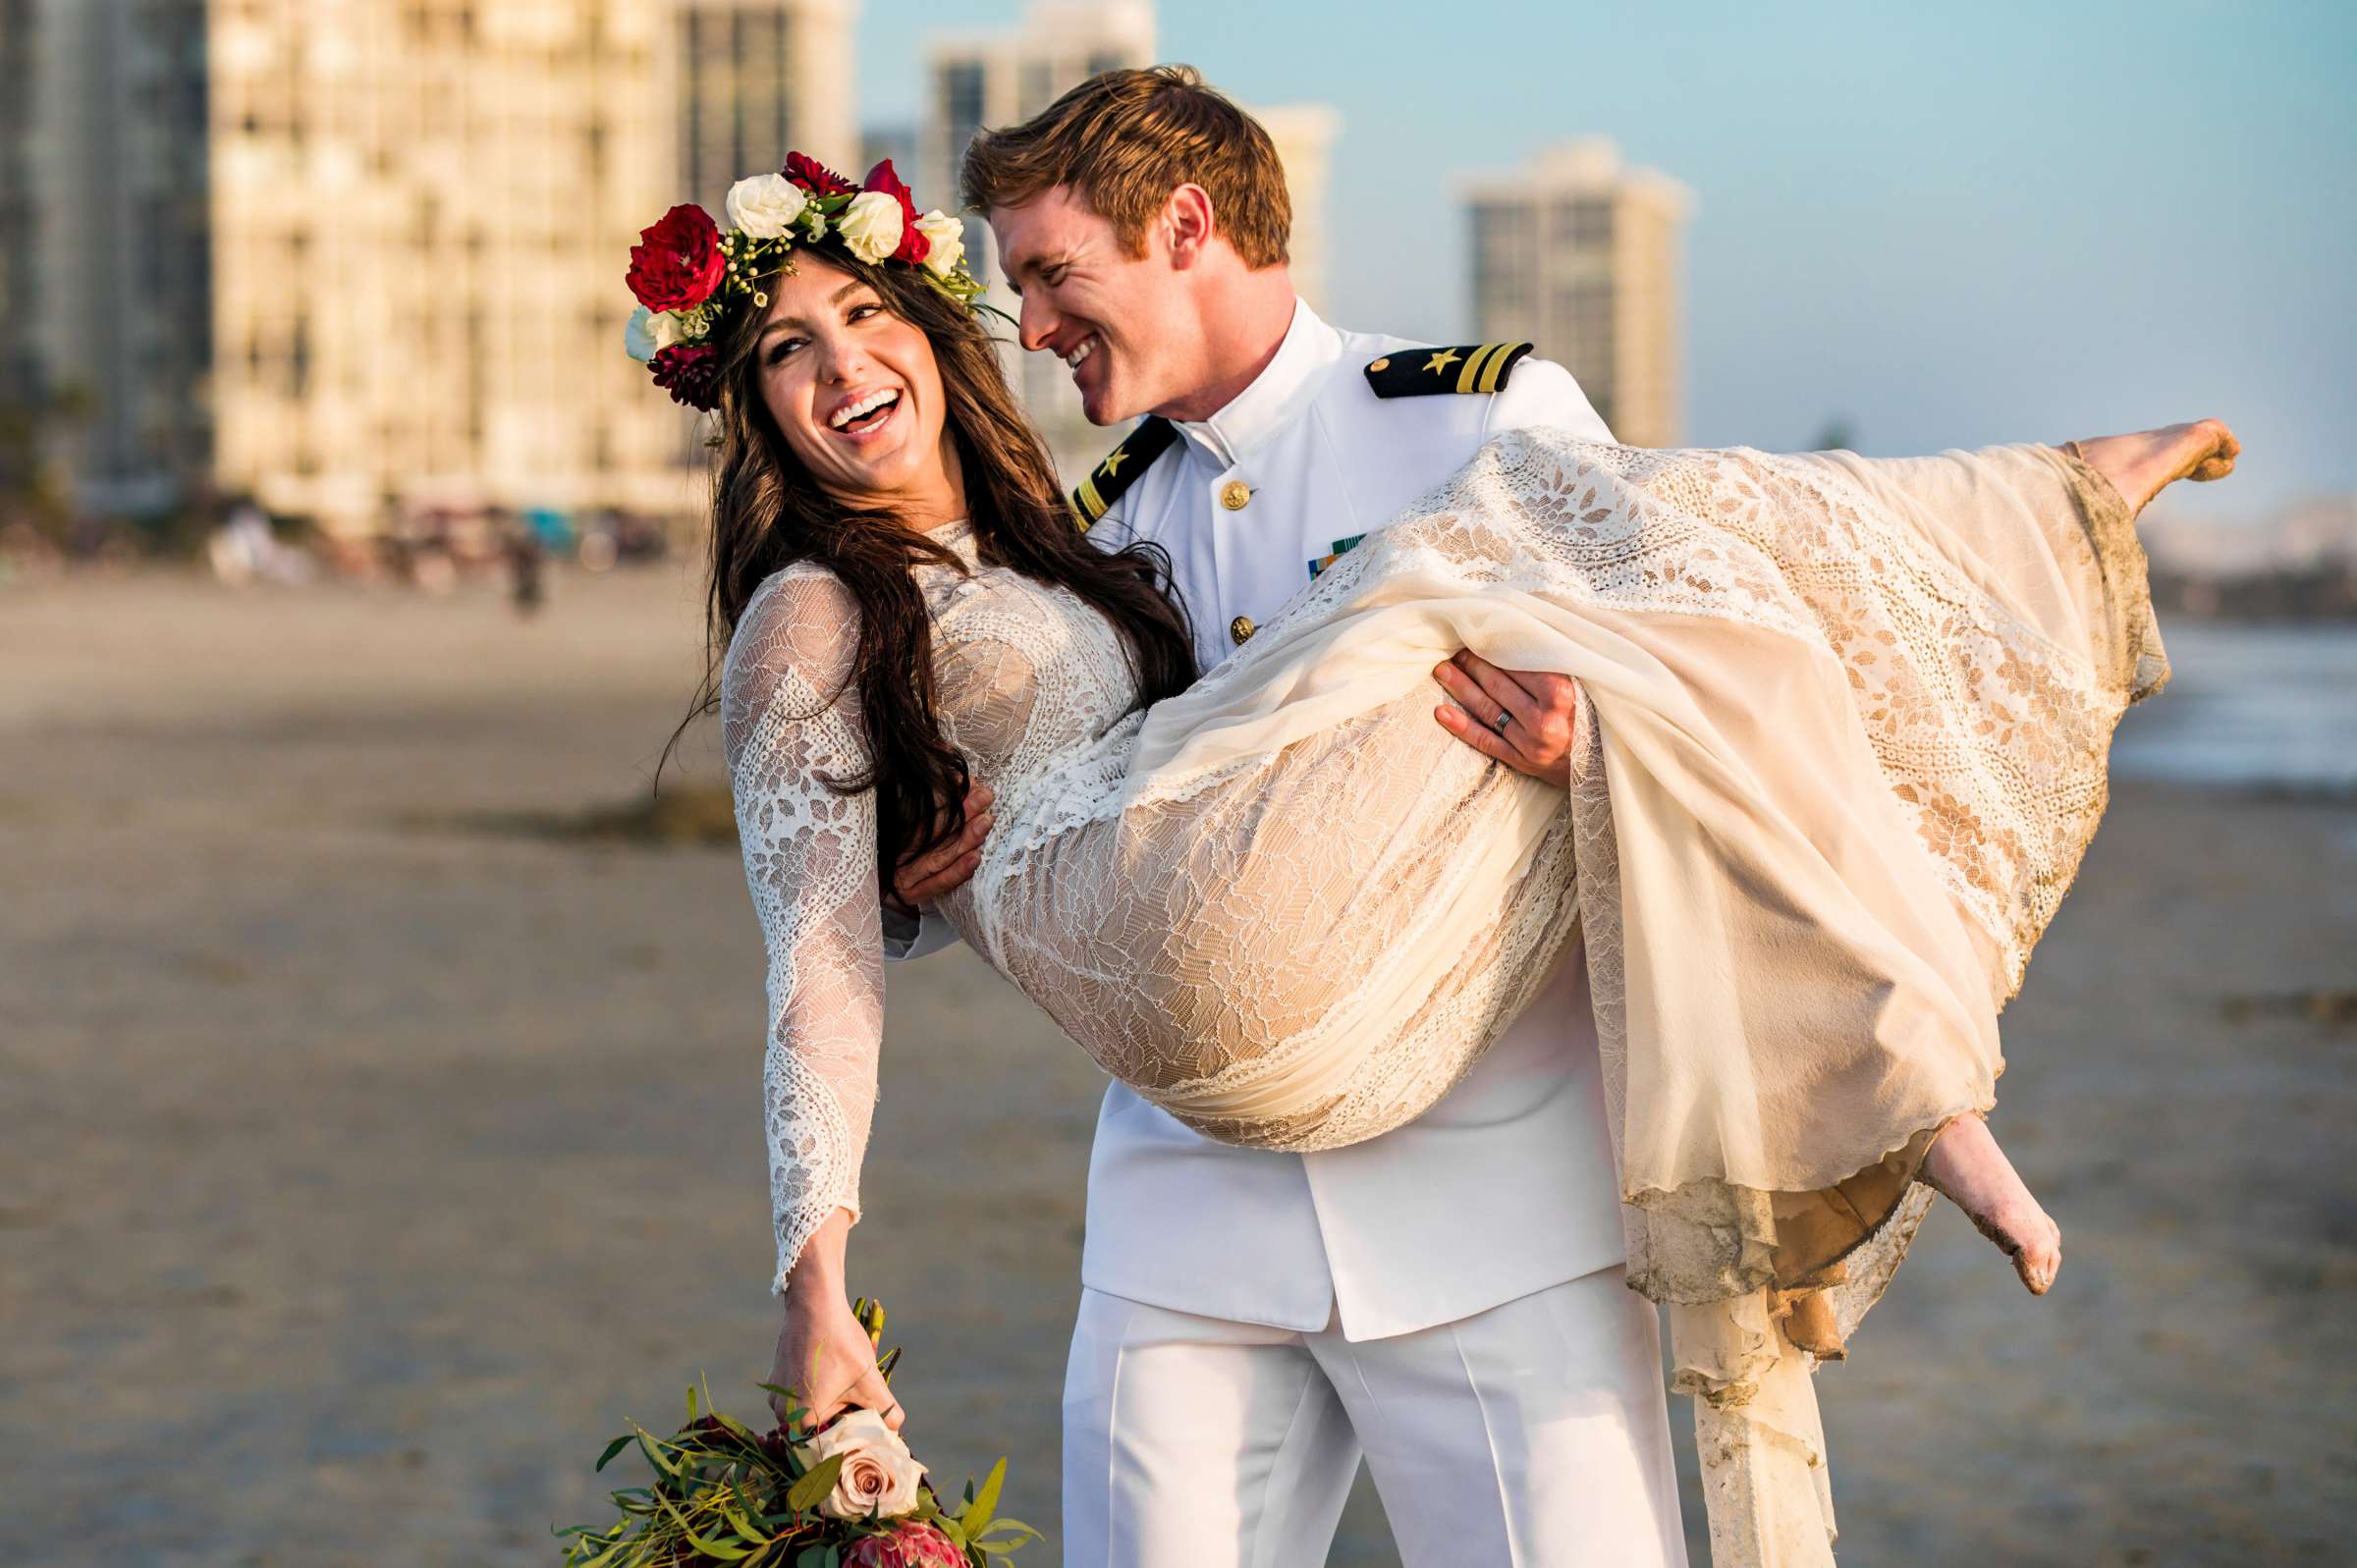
[(1091, 301)]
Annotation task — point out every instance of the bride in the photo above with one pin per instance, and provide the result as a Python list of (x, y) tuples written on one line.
[(1843, 733)]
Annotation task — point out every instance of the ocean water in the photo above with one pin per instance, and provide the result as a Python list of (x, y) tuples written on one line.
[(2257, 707)]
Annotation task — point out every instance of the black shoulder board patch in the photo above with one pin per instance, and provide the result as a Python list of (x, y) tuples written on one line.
[(1121, 468), (1470, 368)]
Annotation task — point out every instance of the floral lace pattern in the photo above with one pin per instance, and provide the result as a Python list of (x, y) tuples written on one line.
[(1027, 675)]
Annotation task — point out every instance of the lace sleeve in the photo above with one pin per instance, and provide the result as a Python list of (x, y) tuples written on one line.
[(789, 723)]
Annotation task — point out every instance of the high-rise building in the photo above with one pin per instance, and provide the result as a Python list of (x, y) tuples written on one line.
[(19, 364), (759, 79), (1304, 135), (1580, 255), (116, 271), (362, 255), (23, 383), (420, 214)]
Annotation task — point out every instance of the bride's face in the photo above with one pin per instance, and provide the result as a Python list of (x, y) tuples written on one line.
[(854, 388)]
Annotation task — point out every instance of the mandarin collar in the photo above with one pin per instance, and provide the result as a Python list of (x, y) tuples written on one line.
[(1276, 396)]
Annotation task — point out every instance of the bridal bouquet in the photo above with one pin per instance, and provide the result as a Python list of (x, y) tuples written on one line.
[(846, 1495)]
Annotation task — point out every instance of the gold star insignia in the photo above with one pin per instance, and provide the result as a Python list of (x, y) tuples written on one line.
[(1443, 361), (1112, 463)]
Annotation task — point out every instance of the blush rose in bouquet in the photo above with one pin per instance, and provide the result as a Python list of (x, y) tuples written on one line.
[(846, 1495)]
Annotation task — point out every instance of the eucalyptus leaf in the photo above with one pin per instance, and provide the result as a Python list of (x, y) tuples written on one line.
[(819, 1480), (613, 1448), (652, 1447), (709, 1546), (975, 1516)]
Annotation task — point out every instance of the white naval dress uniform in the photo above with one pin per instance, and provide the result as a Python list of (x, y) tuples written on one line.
[(1447, 1300)]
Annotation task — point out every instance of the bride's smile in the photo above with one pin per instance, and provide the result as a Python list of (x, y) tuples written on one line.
[(856, 393)]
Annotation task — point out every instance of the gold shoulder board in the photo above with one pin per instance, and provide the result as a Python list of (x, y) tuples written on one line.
[(1470, 368), (1119, 469)]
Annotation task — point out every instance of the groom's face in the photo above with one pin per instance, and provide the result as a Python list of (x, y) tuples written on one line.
[(1122, 324)]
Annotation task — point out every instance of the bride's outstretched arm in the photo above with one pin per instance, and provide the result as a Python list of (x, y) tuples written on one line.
[(790, 724)]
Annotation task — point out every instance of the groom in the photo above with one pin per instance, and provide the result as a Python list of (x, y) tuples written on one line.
[(1445, 1302)]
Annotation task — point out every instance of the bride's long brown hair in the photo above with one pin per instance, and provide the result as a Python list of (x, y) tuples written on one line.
[(768, 513)]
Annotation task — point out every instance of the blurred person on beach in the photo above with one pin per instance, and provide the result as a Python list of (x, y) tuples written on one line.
[(1415, 1077), (243, 550)]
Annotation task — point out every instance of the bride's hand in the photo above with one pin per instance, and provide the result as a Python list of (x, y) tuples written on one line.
[(823, 1353)]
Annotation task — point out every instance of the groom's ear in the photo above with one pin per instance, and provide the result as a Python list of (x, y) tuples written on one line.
[(1187, 219)]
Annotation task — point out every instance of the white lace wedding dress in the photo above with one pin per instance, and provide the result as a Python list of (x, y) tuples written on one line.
[(1845, 725)]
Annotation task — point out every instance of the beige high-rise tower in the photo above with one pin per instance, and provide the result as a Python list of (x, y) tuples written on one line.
[(420, 217), (1580, 255), (361, 257), (1304, 135)]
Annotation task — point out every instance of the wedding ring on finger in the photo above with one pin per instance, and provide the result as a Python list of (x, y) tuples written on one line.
[(1499, 722)]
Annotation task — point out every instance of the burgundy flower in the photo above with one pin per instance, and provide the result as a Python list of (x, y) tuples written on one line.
[(678, 261), (690, 373), (913, 244), (815, 176), (911, 1545)]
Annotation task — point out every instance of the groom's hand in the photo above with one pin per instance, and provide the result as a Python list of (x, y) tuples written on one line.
[(1525, 719), (949, 865)]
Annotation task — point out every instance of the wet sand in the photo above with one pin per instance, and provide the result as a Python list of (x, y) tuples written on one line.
[(370, 1156)]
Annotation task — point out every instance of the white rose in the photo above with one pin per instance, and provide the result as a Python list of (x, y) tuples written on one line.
[(946, 238), (872, 225), (650, 332), (879, 1474), (764, 204)]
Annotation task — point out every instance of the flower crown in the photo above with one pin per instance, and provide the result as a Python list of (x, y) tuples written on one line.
[(688, 274)]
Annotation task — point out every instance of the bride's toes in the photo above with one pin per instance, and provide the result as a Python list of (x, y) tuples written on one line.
[(2037, 1255), (2219, 453), (1966, 1165)]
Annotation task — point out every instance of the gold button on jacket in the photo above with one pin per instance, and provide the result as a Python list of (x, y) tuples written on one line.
[(1240, 628), (1233, 495)]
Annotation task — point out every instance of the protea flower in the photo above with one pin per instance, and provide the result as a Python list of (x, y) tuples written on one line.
[(911, 1545)]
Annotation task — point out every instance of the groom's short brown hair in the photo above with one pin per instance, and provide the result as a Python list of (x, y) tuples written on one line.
[(1123, 141)]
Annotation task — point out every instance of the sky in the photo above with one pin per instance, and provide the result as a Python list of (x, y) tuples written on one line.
[(1939, 226)]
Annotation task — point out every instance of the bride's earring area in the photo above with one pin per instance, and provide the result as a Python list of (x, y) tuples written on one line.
[(1966, 1166), (2143, 464)]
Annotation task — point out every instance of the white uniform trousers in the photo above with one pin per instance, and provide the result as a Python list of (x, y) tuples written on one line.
[(1534, 1434)]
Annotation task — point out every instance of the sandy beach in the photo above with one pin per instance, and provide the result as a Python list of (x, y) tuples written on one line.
[(378, 1141)]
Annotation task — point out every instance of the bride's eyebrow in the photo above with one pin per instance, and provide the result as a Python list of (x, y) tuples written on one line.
[(835, 299)]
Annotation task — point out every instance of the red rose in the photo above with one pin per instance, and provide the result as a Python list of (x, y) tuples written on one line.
[(678, 264), (690, 373), (914, 245), (815, 176)]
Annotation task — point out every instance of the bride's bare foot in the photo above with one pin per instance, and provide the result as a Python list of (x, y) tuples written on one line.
[(2143, 464), (1966, 1166)]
